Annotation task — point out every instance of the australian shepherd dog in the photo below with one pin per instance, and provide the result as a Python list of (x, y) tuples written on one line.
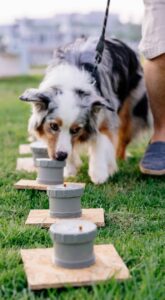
[(104, 109)]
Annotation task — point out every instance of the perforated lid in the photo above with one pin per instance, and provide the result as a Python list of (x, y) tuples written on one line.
[(68, 190), (49, 163), (73, 231)]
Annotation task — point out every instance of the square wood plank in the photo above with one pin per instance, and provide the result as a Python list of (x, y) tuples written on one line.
[(43, 274), (24, 149), (28, 184), (41, 217), (25, 164)]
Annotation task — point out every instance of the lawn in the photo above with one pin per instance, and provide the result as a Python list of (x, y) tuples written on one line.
[(134, 210)]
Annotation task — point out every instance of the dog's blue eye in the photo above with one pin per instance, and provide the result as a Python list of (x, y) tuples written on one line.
[(54, 126), (82, 93)]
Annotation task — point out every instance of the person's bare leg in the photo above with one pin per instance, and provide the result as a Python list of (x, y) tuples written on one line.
[(155, 79), (153, 162)]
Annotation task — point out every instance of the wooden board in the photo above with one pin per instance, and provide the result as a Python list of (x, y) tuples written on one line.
[(41, 217), (25, 164), (42, 273), (27, 184), (24, 149)]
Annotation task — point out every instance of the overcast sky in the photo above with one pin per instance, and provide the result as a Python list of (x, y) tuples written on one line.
[(12, 9)]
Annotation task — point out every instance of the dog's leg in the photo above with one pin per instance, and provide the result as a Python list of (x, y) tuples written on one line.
[(72, 165), (102, 161), (125, 129)]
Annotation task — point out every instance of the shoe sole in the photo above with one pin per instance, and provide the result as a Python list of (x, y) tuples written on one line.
[(151, 172)]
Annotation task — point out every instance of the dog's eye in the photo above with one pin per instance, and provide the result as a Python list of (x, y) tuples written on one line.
[(82, 93), (75, 130), (54, 126)]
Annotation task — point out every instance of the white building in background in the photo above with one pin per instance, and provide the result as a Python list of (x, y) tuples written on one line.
[(32, 41), (13, 55), (11, 65), (39, 37)]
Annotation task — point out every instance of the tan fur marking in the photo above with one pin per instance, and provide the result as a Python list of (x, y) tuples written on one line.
[(40, 131), (58, 121), (125, 129), (105, 130), (45, 133), (51, 142), (112, 136)]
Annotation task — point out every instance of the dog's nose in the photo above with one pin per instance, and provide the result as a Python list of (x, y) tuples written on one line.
[(61, 156)]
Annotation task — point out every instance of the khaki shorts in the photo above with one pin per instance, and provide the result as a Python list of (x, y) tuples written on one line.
[(153, 29)]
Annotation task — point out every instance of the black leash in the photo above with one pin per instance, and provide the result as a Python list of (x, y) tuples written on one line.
[(100, 44)]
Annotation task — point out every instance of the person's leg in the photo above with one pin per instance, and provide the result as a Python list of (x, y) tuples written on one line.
[(155, 80), (153, 48)]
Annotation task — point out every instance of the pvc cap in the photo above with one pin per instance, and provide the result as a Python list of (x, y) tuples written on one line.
[(73, 231), (49, 163), (68, 190)]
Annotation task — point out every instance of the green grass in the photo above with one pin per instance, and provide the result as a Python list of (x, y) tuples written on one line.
[(134, 209)]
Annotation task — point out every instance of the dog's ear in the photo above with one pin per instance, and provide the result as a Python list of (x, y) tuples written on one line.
[(39, 99), (101, 103)]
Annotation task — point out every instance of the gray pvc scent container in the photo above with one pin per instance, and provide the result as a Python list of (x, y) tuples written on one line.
[(65, 200), (73, 243), (39, 150), (50, 172)]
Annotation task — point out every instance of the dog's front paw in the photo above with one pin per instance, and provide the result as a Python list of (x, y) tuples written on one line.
[(113, 168), (99, 179), (70, 171), (98, 176)]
